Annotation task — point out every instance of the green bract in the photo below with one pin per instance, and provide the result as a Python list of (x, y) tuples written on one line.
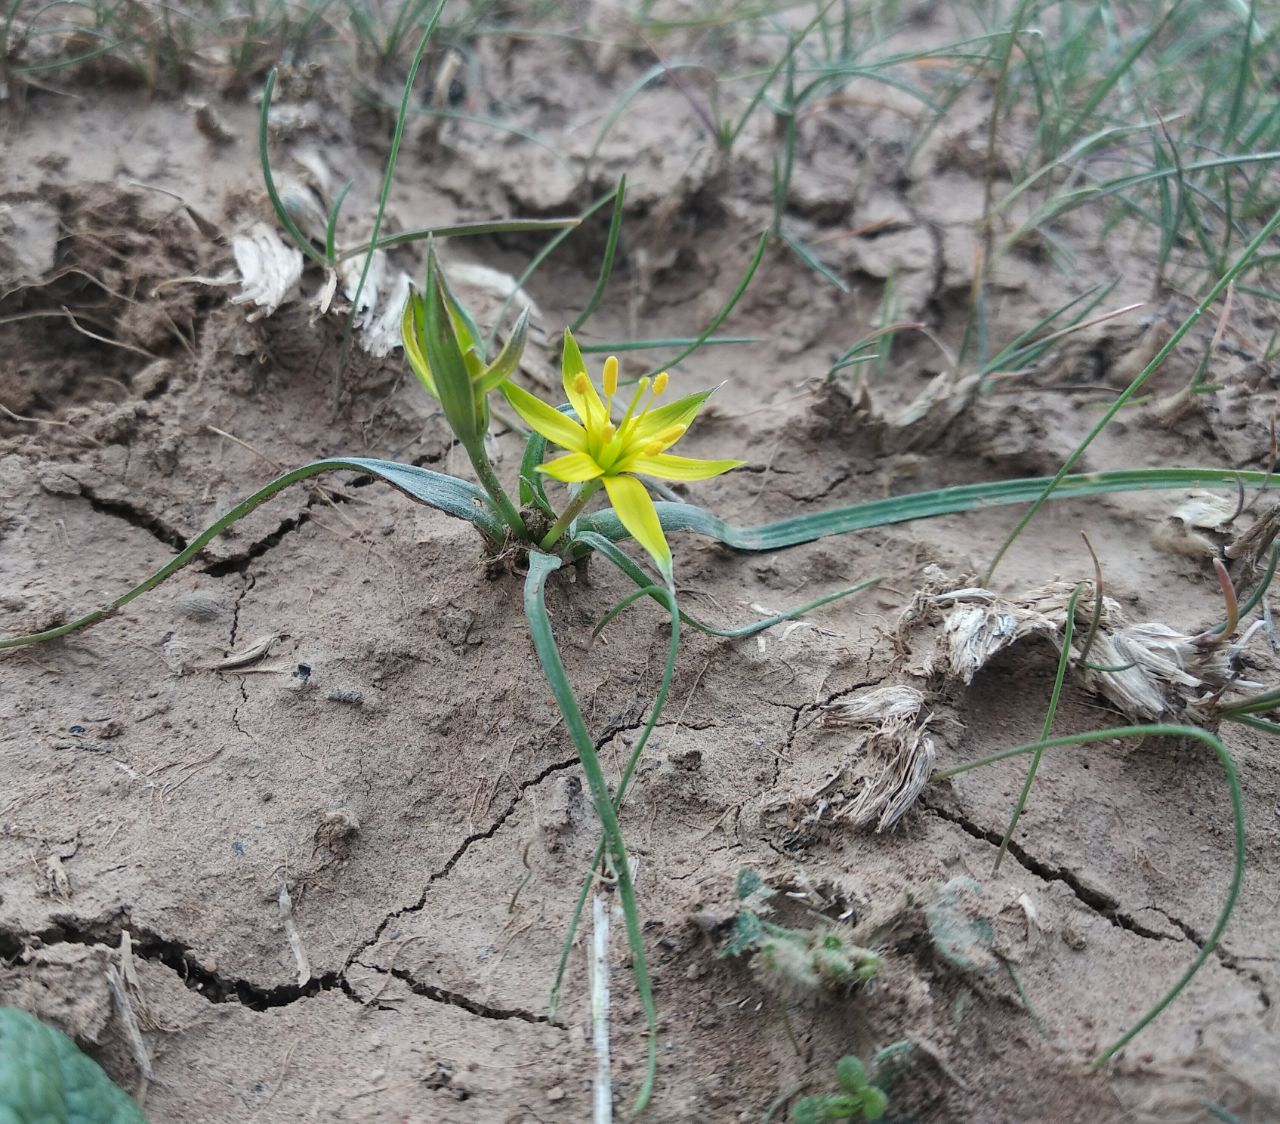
[(45, 1079), (443, 346)]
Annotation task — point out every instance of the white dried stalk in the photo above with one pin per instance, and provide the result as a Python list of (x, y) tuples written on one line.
[(602, 1083), (293, 936)]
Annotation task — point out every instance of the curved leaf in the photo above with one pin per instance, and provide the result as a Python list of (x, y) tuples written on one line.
[(919, 505), (1237, 835), (435, 489)]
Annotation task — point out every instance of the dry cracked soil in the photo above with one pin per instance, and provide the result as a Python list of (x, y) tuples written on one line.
[(343, 871)]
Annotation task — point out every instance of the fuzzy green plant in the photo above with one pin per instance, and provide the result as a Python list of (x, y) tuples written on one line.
[(800, 962), (855, 1098)]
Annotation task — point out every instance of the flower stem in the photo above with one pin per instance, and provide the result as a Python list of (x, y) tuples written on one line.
[(489, 481), (589, 489)]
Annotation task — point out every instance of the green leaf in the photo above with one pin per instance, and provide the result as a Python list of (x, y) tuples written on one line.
[(823, 1108), (445, 359), (668, 601), (435, 489), (541, 566), (746, 935), (875, 1103), (504, 366), (957, 928), (45, 1077), (749, 881), (851, 1074), (532, 490), (920, 505)]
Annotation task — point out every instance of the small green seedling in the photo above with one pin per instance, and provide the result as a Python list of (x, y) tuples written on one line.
[(856, 1099), (801, 962)]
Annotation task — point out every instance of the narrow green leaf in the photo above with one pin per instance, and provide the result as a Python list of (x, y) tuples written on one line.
[(541, 566), (606, 262), (458, 230), (1064, 661), (445, 493), (728, 306), (330, 253), (277, 204), (1237, 812), (919, 505), (603, 546)]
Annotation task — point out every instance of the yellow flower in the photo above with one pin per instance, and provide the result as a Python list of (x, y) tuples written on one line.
[(600, 449)]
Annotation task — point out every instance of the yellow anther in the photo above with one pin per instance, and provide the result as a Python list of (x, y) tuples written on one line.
[(659, 383), (609, 431), (611, 376), (664, 439), (581, 382)]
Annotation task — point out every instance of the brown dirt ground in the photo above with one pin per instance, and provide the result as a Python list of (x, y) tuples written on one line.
[(396, 761)]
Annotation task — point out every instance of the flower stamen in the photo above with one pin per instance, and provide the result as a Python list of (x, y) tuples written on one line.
[(664, 439), (641, 387)]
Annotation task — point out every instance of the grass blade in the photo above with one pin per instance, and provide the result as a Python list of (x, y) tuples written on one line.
[(603, 546), (606, 263), (1238, 267), (541, 566), (1064, 661), (727, 308), (392, 156), (458, 230), (614, 346), (537, 260), (445, 493), (1238, 840), (277, 204)]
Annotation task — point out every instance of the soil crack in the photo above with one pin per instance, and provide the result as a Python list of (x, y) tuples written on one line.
[(476, 837), (1103, 904), (239, 563), (832, 485), (155, 948), (136, 516), (453, 998)]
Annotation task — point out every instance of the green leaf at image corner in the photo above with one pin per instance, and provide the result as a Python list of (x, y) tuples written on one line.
[(45, 1079)]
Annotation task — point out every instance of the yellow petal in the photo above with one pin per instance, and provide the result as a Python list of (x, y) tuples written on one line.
[(573, 468), (666, 467), (578, 388), (634, 507), (547, 420), (680, 412)]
